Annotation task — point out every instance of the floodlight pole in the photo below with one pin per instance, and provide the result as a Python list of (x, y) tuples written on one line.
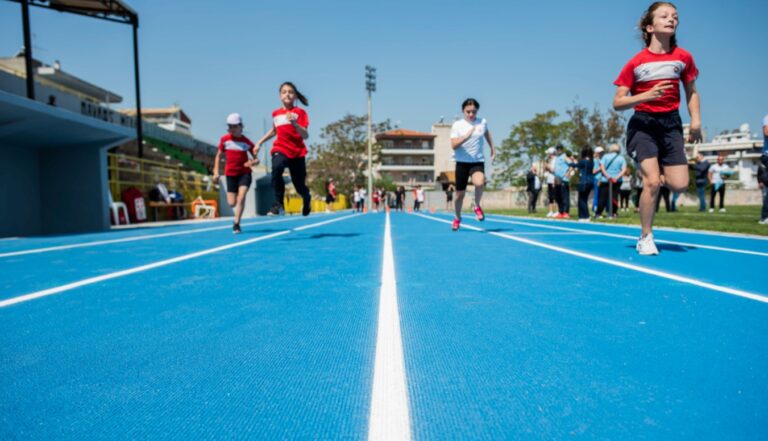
[(139, 131), (28, 50), (370, 86)]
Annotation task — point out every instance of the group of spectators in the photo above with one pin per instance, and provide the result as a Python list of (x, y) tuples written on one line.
[(382, 198), (607, 177)]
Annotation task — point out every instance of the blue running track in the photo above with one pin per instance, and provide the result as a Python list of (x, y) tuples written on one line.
[(512, 328)]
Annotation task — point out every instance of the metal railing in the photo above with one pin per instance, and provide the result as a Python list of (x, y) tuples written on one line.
[(144, 174)]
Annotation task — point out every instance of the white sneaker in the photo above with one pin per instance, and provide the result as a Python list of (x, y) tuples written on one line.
[(550, 214), (646, 247), (763, 222), (722, 210), (711, 210), (586, 219)]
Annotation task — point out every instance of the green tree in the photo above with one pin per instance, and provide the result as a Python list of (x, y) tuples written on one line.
[(593, 129), (343, 154), (527, 143)]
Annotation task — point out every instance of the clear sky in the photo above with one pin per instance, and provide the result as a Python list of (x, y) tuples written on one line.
[(515, 58)]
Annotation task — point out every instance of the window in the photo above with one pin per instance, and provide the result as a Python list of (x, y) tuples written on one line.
[(425, 145)]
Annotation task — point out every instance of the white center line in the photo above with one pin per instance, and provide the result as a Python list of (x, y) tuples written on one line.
[(688, 280), (92, 280), (135, 238), (389, 418)]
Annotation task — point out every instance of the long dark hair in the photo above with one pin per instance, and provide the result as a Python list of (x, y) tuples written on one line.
[(647, 20), (299, 95)]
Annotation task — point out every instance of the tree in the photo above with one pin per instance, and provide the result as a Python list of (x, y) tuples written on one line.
[(527, 143), (595, 129), (343, 154)]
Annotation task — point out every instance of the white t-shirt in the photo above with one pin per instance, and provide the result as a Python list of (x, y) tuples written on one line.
[(472, 149), (420, 195), (718, 171), (548, 175)]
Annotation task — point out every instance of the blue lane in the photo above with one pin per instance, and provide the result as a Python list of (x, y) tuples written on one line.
[(744, 242), (29, 243), (270, 341), (33, 272), (508, 341), (722, 268)]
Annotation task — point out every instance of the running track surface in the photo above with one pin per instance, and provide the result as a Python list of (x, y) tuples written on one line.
[(383, 327)]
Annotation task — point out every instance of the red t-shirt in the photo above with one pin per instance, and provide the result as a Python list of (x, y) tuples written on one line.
[(289, 141), (236, 154), (646, 69)]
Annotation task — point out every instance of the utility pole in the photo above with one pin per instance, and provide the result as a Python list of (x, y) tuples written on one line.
[(370, 86)]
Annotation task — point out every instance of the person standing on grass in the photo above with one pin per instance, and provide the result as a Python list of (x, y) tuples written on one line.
[(762, 181), (585, 165), (237, 169), (599, 151), (468, 136), (613, 167), (533, 187), (562, 185), (717, 174), (764, 156), (549, 178), (625, 190), (649, 83), (701, 178), (289, 124)]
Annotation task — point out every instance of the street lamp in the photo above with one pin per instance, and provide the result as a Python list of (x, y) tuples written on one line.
[(370, 86)]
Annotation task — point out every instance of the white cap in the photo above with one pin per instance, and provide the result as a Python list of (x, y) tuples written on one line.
[(599, 150), (551, 151), (234, 119)]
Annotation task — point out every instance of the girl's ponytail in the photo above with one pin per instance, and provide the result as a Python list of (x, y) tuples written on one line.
[(299, 95)]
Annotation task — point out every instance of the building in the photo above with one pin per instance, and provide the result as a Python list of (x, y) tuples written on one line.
[(741, 148), (407, 157), (172, 119)]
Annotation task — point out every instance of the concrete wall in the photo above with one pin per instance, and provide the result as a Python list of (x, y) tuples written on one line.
[(20, 190)]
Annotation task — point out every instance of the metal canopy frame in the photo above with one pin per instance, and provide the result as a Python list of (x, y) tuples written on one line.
[(110, 10)]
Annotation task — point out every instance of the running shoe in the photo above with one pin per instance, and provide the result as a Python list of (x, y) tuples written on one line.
[(307, 208), (236, 229), (456, 223), (722, 210), (646, 247), (276, 210), (763, 221), (479, 213)]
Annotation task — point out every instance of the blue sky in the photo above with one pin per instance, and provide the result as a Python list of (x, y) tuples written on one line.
[(213, 58)]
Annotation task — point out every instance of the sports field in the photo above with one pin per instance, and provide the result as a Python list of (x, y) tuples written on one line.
[(384, 326)]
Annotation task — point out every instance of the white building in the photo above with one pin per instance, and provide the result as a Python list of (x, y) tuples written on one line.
[(742, 152), (407, 157)]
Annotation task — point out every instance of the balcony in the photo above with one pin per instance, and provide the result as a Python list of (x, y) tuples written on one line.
[(401, 151), (407, 167)]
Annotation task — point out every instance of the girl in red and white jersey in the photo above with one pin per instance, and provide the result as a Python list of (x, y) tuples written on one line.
[(235, 147), (649, 83), (290, 124)]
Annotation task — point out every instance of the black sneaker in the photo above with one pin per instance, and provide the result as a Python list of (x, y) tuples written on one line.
[(307, 208), (236, 228), (274, 211)]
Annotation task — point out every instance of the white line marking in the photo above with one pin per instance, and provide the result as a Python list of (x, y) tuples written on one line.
[(637, 227), (135, 238), (389, 418), (723, 289), (624, 236), (92, 280)]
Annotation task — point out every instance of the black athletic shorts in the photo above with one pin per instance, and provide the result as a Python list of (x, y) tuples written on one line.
[(464, 170), (235, 182), (656, 135), (551, 193)]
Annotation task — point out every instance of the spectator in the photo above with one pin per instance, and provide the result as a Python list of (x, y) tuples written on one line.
[(764, 157), (533, 188), (562, 186), (418, 198), (625, 190), (663, 195), (717, 173), (599, 151), (586, 181), (701, 177), (637, 185), (449, 197), (762, 181), (613, 166), (330, 195), (549, 178), (400, 198)]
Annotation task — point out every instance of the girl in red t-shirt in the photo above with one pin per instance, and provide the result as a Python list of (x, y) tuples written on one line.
[(290, 124), (649, 84), (235, 147)]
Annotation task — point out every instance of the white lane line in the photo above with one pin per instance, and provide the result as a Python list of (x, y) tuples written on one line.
[(688, 280), (136, 238), (670, 229), (624, 236), (97, 279), (389, 418)]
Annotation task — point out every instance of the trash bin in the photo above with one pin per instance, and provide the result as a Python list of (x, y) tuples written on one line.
[(265, 196)]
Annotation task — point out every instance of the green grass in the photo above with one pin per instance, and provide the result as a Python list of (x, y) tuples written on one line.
[(738, 219)]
